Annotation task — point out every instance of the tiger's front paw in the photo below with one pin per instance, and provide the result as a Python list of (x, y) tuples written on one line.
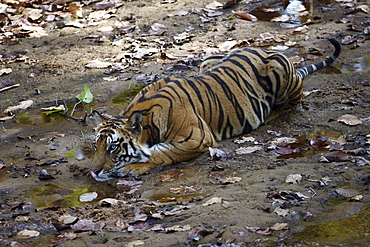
[(136, 169)]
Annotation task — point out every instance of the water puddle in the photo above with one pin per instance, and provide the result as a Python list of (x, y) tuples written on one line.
[(303, 148), (294, 11), (361, 64), (53, 195), (126, 97), (350, 231)]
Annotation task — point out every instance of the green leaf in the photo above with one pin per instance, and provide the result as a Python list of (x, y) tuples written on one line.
[(86, 95)]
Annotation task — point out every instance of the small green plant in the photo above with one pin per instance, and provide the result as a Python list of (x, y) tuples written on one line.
[(86, 96)]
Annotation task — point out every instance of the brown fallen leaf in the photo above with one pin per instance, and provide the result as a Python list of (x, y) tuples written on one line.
[(196, 234), (347, 192), (319, 141), (279, 226), (28, 234), (170, 176), (302, 29), (246, 16), (231, 180), (184, 189), (218, 154), (294, 178), (259, 230), (157, 29), (281, 211), (282, 18), (356, 198), (213, 200), (348, 40), (335, 156), (21, 106), (349, 119), (178, 228), (247, 150)]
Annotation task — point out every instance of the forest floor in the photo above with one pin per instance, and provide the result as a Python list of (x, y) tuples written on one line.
[(312, 190)]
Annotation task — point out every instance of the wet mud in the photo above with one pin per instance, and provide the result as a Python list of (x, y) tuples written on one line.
[(44, 159)]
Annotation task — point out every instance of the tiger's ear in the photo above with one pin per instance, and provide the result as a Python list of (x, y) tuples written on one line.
[(99, 117), (134, 123)]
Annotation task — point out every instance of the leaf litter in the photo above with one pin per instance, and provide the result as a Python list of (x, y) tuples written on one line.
[(143, 55)]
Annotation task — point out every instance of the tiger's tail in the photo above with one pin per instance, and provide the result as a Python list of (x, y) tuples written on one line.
[(313, 67)]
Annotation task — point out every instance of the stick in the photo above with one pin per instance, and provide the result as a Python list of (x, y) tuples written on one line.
[(9, 87)]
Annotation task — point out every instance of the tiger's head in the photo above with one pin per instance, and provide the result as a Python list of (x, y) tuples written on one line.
[(117, 143)]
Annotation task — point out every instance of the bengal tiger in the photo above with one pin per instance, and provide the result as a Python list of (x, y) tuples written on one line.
[(175, 119)]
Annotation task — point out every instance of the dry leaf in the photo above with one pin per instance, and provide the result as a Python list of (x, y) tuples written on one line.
[(5, 71), (214, 5), (97, 64), (157, 29), (302, 29), (218, 154), (197, 234), (279, 226), (135, 243), (85, 225), (21, 106), (108, 202), (349, 119), (364, 8), (356, 198), (294, 178), (231, 180), (246, 16), (27, 234), (248, 150), (245, 139), (213, 201), (227, 45), (67, 219), (347, 192), (281, 211), (319, 141), (184, 189), (259, 230), (170, 176), (335, 156), (177, 228), (88, 197), (282, 18)]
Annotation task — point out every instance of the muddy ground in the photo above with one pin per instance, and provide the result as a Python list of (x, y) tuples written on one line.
[(45, 158)]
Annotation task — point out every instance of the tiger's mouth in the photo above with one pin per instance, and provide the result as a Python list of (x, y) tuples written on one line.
[(101, 176)]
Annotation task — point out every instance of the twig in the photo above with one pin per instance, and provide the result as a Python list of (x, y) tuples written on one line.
[(9, 87)]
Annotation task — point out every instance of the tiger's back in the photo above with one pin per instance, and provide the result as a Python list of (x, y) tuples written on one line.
[(235, 96)]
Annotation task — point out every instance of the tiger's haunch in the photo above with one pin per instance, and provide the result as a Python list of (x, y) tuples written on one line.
[(176, 119)]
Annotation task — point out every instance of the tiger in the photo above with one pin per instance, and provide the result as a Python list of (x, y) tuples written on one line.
[(176, 119)]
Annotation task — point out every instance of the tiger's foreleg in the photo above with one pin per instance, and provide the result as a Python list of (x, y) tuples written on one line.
[(185, 144)]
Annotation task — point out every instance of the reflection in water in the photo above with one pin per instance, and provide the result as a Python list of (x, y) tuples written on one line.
[(293, 9), (36, 117), (361, 64)]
